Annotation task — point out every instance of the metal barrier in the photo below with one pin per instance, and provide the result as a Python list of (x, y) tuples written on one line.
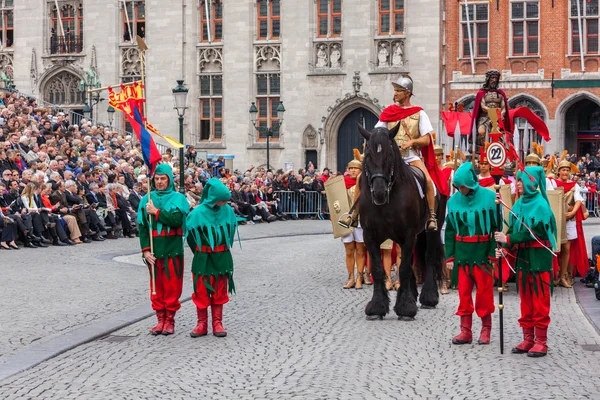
[(301, 203), (591, 203)]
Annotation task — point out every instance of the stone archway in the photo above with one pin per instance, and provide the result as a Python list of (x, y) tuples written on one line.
[(565, 133), (333, 121)]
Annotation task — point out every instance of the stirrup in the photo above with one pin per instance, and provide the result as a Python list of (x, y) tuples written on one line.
[(432, 219)]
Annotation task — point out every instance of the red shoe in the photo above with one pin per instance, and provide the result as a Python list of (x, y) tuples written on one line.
[(539, 348), (465, 336), (217, 320), (169, 327), (202, 328), (526, 344), (160, 316), (486, 330)]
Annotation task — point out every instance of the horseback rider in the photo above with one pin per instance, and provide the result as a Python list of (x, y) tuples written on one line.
[(414, 133)]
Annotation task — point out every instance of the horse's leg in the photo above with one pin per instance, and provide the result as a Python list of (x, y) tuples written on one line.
[(406, 301), (379, 305), (429, 293)]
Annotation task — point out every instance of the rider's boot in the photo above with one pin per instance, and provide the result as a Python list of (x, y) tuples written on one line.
[(432, 221)]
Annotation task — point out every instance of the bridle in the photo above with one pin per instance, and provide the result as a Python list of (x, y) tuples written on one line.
[(389, 180)]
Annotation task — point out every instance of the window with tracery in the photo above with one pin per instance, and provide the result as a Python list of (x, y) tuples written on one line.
[(211, 107), (134, 20), (267, 100), (391, 17), (329, 14), (63, 89), (66, 29), (7, 34)]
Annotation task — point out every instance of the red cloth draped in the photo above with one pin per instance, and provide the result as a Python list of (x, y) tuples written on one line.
[(434, 170), (487, 182), (578, 257), (349, 181), (536, 122), (475, 113), (395, 113), (452, 118)]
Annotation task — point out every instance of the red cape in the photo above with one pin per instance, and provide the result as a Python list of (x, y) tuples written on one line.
[(395, 113), (475, 113), (349, 181), (578, 256)]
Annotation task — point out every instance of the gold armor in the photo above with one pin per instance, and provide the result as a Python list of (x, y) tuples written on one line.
[(409, 130)]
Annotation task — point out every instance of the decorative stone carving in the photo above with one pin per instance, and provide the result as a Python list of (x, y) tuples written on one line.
[(390, 54), (356, 82), (309, 138), (6, 63), (130, 62), (63, 89), (33, 70), (267, 58), (210, 59), (328, 55)]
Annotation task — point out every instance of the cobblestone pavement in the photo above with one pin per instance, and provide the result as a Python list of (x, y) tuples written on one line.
[(49, 292), (294, 333)]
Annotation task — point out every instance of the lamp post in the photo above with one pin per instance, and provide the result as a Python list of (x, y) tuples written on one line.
[(180, 93), (111, 115), (268, 131), (87, 112), (90, 81)]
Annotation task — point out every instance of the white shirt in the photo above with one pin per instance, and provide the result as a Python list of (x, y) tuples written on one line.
[(425, 128), (550, 184)]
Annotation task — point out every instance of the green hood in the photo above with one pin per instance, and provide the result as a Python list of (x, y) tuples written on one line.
[(213, 192), (533, 207), (209, 224), (166, 200), (465, 176), (477, 209)]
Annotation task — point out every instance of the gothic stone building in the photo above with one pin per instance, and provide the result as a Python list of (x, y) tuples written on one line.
[(548, 54), (331, 63)]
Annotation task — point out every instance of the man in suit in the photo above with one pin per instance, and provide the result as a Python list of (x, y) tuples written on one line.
[(94, 197), (243, 205), (73, 206), (121, 208), (135, 196)]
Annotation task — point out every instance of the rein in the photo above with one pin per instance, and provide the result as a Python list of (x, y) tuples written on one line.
[(389, 180)]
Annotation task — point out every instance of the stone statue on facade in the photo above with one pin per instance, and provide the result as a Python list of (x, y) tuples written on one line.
[(382, 56), (322, 57), (335, 56), (398, 57)]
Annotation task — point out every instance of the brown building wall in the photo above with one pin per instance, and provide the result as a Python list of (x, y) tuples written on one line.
[(527, 77)]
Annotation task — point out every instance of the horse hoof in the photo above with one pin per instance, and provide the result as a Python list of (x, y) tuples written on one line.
[(374, 317), (424, 307), (403, 318)]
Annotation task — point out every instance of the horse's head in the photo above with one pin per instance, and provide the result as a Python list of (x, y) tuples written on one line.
[(379, 162)]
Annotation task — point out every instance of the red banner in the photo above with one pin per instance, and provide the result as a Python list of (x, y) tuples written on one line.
[(453, 118)]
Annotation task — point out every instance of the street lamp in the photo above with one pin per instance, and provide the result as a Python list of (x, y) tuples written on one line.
[(111, 115), (180, 93), (90, 81), (87, 112), (268, 131)]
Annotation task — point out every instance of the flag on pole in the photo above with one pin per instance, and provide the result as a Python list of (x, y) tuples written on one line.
[(149, 151)]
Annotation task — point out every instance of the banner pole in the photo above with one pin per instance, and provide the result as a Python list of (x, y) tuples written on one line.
[(142, 46)]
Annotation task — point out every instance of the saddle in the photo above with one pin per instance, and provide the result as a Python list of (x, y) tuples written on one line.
[(420, 179)]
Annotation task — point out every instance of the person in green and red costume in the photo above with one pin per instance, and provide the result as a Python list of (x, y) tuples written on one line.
[(533, 258), (167, 209), (470, 251), (211, 230)]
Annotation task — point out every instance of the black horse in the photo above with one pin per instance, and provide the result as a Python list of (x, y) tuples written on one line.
[(393, 206)]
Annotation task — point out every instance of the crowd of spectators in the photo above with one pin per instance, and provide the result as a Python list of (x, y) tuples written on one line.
[(65, 184)]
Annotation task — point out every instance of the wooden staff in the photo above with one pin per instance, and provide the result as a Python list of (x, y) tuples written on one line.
[(142, 46)]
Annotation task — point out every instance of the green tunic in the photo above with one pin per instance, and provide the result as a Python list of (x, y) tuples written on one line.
[(469, 216), (532, 210), (173, 208), (212, 226)]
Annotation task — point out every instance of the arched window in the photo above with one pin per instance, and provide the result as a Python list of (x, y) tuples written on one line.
[(66, 33), (63, 89)]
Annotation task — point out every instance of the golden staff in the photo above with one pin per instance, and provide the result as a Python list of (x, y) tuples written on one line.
[(142, 46)]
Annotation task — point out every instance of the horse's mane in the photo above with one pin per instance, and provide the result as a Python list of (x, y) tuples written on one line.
[(389, 153)]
